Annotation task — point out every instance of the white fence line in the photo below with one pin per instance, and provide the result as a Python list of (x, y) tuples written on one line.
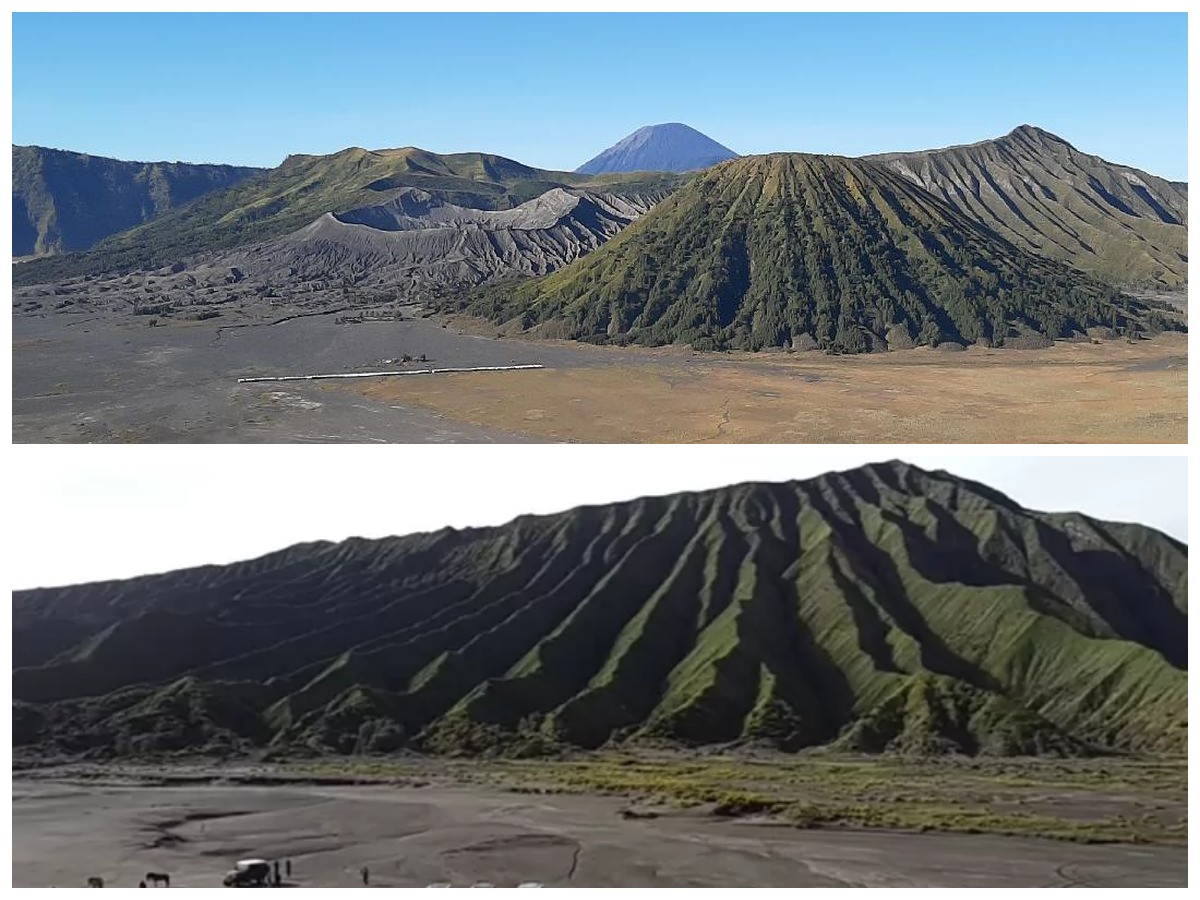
[(390, 374)]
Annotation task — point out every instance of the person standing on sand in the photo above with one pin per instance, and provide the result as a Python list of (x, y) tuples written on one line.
[(366, 876), (287, 867), (278, 880)]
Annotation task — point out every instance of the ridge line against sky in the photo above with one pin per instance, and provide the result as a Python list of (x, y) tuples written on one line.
[(91, 508), (553, 90)]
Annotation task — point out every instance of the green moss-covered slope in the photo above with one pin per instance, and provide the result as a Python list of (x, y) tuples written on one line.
[(883, 609), (812, 251)]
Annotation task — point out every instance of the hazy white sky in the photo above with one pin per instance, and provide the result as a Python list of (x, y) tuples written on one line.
[(121, 511)]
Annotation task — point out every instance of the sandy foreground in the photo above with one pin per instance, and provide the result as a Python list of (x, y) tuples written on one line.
[(110, 378), (64, 832)]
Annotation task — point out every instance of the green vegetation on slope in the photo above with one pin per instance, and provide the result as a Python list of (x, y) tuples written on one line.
[(280, 200), (65, 201), (811, 251), (881, 610)]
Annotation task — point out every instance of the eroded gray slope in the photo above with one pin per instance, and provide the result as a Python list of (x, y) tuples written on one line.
[(416, 241), (409, 246)]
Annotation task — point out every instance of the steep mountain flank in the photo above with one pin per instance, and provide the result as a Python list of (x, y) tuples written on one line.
[(672, 147), (813, 251), (1035, 189), (64, 201), (279, 201), (884, 608)]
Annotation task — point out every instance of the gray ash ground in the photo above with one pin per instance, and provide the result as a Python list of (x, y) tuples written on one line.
[(88, 366), (104, 375), (94, 371), (65, 832)]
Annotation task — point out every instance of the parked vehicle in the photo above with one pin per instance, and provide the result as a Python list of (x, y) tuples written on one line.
[(249, 873)]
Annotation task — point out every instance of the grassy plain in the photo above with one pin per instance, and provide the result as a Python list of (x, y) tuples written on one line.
[(1114, 392), (1089, 801)]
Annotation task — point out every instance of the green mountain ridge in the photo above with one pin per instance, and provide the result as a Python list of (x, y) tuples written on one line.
[(1038, 191), (65, 201), (804, 251), (882, 609)]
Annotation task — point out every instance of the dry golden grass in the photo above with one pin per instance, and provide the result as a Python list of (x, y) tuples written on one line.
[(1072, 393)]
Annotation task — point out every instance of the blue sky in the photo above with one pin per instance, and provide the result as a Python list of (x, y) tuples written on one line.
[(552, 90)]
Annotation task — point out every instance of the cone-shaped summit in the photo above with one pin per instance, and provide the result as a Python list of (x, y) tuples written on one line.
[(672, 147), (815, 251)]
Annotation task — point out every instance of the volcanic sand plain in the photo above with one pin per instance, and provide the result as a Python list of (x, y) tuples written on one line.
[(110, 378), (65, 831)]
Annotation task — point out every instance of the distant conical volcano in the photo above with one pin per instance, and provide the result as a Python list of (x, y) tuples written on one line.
[(672, 147), (792, 249)]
